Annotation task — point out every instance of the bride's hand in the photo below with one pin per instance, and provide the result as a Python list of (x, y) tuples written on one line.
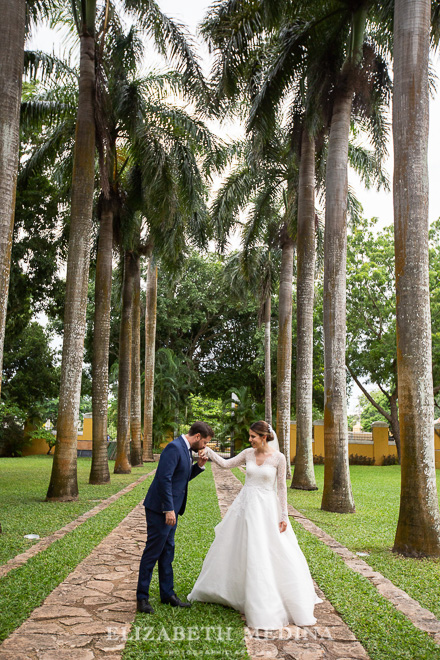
[(283, 526)]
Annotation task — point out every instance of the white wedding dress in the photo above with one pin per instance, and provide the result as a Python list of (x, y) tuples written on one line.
[(250, 565)]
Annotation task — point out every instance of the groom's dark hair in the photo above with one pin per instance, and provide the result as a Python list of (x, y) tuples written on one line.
[(203, 428)]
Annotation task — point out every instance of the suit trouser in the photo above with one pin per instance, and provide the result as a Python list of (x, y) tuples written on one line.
[(158, 548)]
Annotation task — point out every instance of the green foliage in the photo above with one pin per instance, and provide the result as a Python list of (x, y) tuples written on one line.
[(357, 459), (173, 380), (12, 438), (240, 410), (371, 307), (200, 319), (30, 375), (41, 433), (369, 413), (206, 410)]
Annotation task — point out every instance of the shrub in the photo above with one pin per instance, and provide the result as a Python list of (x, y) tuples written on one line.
[(391, 459), (12, 438), (356, 459)]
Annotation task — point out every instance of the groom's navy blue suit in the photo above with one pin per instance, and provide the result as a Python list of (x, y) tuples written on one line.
[(168, 492)]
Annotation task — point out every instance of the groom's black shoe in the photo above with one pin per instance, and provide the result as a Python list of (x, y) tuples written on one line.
[(175, 602), (144, 606)]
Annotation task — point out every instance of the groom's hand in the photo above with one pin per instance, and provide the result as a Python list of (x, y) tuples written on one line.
[(203, 457), (283, 526), (170, 518)]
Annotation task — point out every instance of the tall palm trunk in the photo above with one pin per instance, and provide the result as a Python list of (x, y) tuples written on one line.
[(135, 417), (122, 463), (337, 495), (13, 14), (63, 482), (267, 365), (150, 348), (99, 472), (284, 352), (304, 475), (418, 528)]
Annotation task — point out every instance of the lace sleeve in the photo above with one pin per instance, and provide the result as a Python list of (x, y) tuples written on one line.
[(240, 459), (282, 487)]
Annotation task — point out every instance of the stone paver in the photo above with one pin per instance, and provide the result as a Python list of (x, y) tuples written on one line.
[(22, 558), (330, 638)]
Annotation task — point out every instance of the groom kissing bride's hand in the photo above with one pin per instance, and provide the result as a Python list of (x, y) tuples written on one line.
[(165, 501)]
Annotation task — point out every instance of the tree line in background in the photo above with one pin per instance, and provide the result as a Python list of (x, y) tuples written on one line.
[(109, 165)]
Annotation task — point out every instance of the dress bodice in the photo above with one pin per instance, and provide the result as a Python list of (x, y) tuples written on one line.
[(269, 476)]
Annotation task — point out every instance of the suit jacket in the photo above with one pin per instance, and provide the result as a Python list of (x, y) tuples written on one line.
[(169, 489)]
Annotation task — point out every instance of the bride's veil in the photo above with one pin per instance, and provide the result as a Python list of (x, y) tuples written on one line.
[(274, 443)]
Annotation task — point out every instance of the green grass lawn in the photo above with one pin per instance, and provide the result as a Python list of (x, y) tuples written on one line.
[(372, 528), (23, 488), (385, 633), (159, 635)]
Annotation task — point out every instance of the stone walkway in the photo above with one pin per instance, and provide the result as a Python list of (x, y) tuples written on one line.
[(87, 616), (330, 638), (78, 620), (22, 558)]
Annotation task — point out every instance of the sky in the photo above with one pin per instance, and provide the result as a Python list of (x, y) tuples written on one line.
[(375, 204)]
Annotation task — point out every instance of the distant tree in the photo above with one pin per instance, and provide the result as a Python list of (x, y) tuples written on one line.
[(29, 370)]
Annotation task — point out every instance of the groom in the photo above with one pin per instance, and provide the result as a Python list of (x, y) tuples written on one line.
[(165, 501)]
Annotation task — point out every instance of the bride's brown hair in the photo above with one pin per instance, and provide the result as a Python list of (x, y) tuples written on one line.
[(262, 428)]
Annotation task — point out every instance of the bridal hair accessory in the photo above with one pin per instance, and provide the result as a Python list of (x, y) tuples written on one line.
[(270, 428)]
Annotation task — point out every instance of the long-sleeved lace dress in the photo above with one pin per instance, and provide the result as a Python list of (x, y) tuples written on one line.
[(250, 565)]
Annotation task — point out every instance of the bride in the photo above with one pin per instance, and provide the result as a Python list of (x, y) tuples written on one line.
[(255, 564)]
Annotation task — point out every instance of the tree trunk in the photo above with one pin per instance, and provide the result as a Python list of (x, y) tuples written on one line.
[(63, 482), (135, 418), (122, 462), (418, 527), (337, 495), (284, 352), (150, 348), (99, 472), (13, 14), (395, 424), (267, 364), (304, 474)]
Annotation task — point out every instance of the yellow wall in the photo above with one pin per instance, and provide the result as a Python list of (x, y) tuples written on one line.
[(377, 450), (437, 445), (37, 448), (40, 446)]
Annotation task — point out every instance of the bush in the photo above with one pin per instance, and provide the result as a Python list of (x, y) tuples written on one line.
[(390, 460), (356, 459), (12, 438)]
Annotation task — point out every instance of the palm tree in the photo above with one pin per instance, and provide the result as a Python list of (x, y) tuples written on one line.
[(322, 47), (169, 38), (267, 180), (135, 414), (63, 483), (17, 16), (255, 269), (304, 475), (418, 528), (150, 352), (122, 462)]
